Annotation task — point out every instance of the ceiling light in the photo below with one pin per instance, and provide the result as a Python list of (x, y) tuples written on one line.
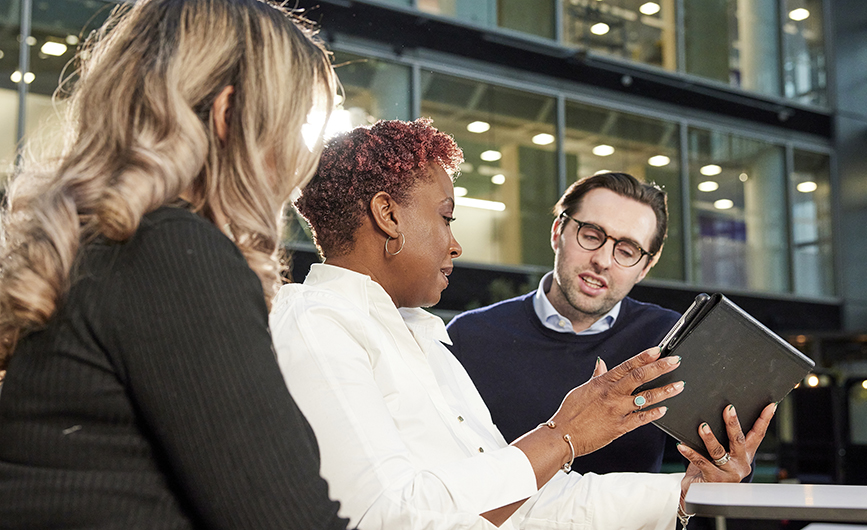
[(72, 40), (602, 172), (650, 8), (498, 179), (491, 156), (723, 204), (743, 177), (710, 170), (460, 191), (543, 139), (600, 28), (799, 14), (31, 41), (813, 380), (478, 126), (603, 150), (807, 186), (708, 185), (864, 384), (466, 167), (28, 77), (481, 204), (658, 161), (55, 49)]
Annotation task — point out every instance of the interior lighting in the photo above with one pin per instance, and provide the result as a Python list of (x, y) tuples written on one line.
[(658, 161), (460, 191), (491, 155), (708, 186), (602, 172), (600, 28), (723, 204), (481, 204), (28, 77), (603, 150), (799, 14), (649, 8), (339, 122), (813, 380), (1, 54), (543, 139), (499, 179), (808, 186), (710, 170), (743, 177), (55, 49), (72, 40), (864, 384), (31, 41), (478, 127), (466, 167)]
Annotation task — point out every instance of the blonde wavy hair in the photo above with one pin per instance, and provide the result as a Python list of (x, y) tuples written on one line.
[(141, 132)]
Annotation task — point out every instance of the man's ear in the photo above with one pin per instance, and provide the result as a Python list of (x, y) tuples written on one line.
[(383, 210), (222, 110), (556, 232), (650, 264)]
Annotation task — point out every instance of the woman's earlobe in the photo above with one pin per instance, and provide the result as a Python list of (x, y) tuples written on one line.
[(221, 111)]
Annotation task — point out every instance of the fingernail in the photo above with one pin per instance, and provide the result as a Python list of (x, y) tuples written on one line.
[(705, 428), (731, 409), (775, 406), (679, 385), (598, 360), (674, 360)]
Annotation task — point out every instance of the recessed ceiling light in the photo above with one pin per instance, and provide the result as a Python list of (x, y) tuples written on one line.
[(723, 204), (603, 150), (460, 191), (498, 179), (649, 8), (72, 40), (707, 186), (807, 186), (743, 177), (478, 126), (55, 49), (543, 139), (658, 161), (600, 28), (799, 14), (491, 155), (710, 170)]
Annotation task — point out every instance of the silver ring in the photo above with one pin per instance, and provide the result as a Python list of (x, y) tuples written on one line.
[(639, 401), (723, 460)]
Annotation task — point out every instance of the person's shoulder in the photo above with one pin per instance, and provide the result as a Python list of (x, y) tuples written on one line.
[(649, 310), (496, 311), (299, 298)]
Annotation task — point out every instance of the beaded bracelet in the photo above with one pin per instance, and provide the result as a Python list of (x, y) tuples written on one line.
[(567, 467)]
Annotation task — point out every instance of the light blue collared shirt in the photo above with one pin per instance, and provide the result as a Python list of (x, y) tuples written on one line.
[(553, 320)]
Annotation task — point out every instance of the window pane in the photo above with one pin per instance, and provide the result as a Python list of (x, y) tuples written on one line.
[(858, 413), (535, 18), (637, 30), (735, 42), (599, 139), (372, 90), (811, 224), (56, 29), (738, 216), (804, 52), (508, 183)]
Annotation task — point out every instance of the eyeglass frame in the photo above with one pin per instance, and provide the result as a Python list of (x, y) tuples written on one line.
[(582, 224)]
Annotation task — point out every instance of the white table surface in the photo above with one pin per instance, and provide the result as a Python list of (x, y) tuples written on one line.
[(803, 502)]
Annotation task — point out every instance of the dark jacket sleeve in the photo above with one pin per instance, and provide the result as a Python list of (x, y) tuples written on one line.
[(195, 352)]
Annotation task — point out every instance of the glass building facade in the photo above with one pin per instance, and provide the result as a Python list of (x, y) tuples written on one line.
[(750, 208)]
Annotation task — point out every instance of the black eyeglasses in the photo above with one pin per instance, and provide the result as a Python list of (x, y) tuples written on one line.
[(591, 237)]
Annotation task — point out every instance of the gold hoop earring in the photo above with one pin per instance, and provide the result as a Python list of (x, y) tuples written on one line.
[(402, 241)]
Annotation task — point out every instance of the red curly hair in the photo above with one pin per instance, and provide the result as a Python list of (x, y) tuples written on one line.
[(390, 156)]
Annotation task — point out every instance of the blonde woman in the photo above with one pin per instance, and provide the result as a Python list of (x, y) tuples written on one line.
[(141, 389)]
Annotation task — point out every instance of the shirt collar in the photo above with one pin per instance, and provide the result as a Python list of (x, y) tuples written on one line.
[(369, 296), (551, 319)]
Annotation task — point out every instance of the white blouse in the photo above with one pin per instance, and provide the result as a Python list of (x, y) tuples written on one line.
[(405, 438)]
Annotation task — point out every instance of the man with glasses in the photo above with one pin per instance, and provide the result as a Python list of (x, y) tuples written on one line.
[(525, 353)]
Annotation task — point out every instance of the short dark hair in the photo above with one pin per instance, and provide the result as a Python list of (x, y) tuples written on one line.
[(390, 156), (628, 186)]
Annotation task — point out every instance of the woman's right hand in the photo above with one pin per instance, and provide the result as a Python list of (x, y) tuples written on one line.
[(603, 408)]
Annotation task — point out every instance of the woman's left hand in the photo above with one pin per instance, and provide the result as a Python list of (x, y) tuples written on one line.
[(742, 449)]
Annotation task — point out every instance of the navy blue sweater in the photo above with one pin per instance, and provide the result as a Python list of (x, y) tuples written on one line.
[(524, 370)]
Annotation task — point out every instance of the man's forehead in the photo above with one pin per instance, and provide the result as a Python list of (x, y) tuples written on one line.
[(621, 217)]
